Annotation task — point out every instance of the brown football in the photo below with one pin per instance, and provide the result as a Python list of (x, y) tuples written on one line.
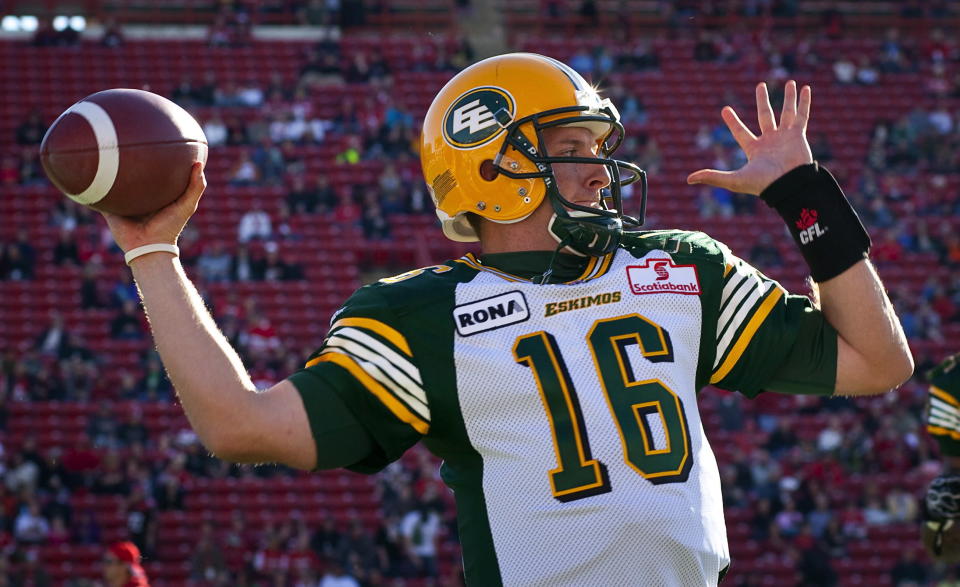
[(123, 151)]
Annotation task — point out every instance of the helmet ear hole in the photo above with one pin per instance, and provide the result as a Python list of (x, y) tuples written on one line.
[(488, 171)]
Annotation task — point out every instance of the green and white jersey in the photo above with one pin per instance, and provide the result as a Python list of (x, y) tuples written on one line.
[(566, 414), (943, 417)]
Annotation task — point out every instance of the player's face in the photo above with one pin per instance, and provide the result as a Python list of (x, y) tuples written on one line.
[(579, 183)]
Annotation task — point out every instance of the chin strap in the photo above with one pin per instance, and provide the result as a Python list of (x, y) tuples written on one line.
[(545, 278)]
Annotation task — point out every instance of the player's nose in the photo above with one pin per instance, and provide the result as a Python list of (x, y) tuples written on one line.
[(597, 176)]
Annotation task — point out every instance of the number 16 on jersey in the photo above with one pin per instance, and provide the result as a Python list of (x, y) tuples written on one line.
[(578, 475)]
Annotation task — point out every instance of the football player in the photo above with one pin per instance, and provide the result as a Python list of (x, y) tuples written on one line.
[(557, 373), (941, 504)]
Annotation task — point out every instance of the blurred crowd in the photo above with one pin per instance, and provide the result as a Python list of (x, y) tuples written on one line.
[(809, 498)]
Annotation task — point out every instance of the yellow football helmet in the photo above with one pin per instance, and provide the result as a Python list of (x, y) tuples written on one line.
[(482, 150)]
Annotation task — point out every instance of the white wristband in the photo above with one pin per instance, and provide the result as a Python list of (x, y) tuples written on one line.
[(146, 249)]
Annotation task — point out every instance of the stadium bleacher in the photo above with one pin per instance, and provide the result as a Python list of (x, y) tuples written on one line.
[(681, 96)]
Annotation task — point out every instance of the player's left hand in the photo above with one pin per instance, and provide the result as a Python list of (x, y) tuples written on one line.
[(777, 150)]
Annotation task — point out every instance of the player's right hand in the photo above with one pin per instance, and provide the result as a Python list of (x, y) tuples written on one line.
[(163, 226)]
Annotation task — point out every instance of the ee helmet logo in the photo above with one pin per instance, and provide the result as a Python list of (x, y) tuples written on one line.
[(477, 117)]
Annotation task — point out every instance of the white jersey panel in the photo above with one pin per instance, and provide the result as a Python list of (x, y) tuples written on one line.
[(672, 532)]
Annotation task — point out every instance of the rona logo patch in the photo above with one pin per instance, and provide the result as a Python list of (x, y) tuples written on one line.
[(475, 118), (490, 313), (661, 276)]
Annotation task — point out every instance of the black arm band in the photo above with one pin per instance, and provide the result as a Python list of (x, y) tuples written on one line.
[(822, 222)]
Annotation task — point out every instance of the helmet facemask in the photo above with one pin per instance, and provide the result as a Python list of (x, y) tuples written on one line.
[(580, 229)]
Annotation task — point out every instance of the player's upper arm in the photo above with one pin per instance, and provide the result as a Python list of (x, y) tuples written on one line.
[(276, 430), (855, 375)]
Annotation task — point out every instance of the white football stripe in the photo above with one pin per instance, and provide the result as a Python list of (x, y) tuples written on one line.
[(943, 414), (384, 373), (108, 162), (398, 379), (386, 351), (735, 280), (734, 325), (752, 288)]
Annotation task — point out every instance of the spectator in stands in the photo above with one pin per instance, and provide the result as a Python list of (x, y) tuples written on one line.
[(583, 62), (103, 427), (207, 560), (336, 575), (124, 290), (420, 528), (154, 383), (300, 198), (237, 132), (353, 151), (276, 269), (65, 250), (9, 170), (321, 69), (132, 432), (357, 541), (52, 340), (31, 130), (30, 526), (261, 338), (764, 253), (214, 263), (706, 49), (844, 71), (126, 325), (317, 12), (815, 567), (112, 34), (893, 55), (140, 510), (30, 171), (122, 568), (908, 571), (255, 224), (245, 171), (867, 73), (13, 264), (243, 266), (215, 130)]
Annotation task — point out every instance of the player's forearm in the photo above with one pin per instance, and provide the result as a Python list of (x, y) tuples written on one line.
[(872, 339), (210, 379)]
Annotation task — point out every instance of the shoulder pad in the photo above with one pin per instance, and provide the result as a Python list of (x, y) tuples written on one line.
[(675, 242)]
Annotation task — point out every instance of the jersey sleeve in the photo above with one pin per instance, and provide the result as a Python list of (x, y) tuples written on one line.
[(943, 417), (768, 339), (368, 363)]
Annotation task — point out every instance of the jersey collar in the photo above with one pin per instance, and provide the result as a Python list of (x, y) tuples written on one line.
[(527, 265)]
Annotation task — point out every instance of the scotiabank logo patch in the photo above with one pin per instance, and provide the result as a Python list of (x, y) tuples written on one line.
[(661, 276)]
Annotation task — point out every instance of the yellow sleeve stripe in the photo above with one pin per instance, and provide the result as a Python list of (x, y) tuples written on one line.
[(727, 269), (938, 431), (747, 335), (378, 327), (937, 392), (386, 398)]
